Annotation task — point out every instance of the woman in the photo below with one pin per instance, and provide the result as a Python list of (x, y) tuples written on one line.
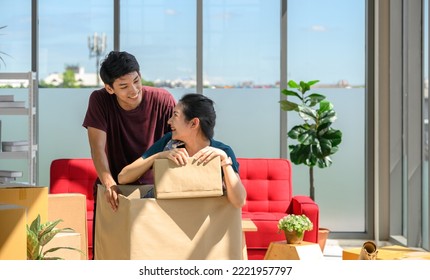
[(192, 125)]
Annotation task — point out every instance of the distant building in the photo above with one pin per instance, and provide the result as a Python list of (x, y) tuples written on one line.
[(343, 84), (14, 83), (179, 83), (82, 78)]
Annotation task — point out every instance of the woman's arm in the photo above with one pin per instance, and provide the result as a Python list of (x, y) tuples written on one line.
[(236, 192), (136, 169), (132, 172)]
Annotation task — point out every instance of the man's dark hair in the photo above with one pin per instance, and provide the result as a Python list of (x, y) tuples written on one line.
[(196, 105), (117, 64)]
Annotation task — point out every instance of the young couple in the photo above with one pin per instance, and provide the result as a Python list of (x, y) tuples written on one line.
[(130, 125)]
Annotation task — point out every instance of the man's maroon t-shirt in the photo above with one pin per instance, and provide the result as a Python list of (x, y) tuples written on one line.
[(129, 133)]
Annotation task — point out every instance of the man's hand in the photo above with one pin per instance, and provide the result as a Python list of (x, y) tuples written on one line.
[(111, 194)]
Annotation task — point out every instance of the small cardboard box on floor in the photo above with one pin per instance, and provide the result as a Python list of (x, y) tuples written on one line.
[(203, 228)]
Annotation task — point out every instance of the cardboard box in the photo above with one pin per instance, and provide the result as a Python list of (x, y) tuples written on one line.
[(191, 180), (280, 250), (13, 233), (72, 209), (65, 239), (172, 229), (33, 198), (394, 252)]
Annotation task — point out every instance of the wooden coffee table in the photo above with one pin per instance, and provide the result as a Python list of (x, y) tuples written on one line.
[(247, 225), (280, 250)]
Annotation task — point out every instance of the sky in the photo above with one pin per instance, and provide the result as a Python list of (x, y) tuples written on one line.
[(326, 39)]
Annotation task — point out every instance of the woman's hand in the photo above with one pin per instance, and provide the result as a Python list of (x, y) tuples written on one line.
[(178, 156), (208, 153)]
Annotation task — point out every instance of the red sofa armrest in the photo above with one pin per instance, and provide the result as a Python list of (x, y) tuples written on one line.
[(305, 205)]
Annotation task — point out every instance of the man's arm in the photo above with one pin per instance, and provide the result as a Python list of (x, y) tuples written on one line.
[(97, 139)]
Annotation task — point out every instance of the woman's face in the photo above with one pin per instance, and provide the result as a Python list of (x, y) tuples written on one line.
[(179, 125)]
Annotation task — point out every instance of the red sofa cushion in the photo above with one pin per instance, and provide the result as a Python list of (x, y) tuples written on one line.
[(267, 183)]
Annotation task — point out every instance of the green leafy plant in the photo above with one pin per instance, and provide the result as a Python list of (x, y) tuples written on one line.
[(297, 223), (317, 140), (38, 235)]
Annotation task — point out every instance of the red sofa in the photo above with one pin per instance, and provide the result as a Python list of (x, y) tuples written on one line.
[(268, 183), (269, 197)]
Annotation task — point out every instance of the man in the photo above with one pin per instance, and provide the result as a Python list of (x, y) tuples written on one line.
[(123, 120)]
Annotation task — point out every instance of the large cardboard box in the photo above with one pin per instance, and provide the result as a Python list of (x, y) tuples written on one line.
[(13, 232), (72, 209), (394, 252), (65, 239), (33, 198), (171, 229), (173, 181)]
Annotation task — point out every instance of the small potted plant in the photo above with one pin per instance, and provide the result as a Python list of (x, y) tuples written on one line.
[(294, 227), (38, 235)]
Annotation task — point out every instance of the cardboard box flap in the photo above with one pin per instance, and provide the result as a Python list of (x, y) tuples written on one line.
[(192, 180)]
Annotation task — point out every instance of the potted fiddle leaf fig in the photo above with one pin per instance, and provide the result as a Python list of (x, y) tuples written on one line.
[(316, 139)]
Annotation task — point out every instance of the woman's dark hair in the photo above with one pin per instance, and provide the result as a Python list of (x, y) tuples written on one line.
[(117, 64), (196, 105)]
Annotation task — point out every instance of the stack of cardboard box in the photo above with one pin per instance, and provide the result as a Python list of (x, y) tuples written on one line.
[(21, 204)]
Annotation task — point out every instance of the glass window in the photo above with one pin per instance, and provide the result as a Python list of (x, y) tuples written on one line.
[(241, 73), (162, 36), (241, 41), (15, 36), (326, 42), (68, 31)]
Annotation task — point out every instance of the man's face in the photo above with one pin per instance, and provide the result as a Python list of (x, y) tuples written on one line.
[(128, 90)]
